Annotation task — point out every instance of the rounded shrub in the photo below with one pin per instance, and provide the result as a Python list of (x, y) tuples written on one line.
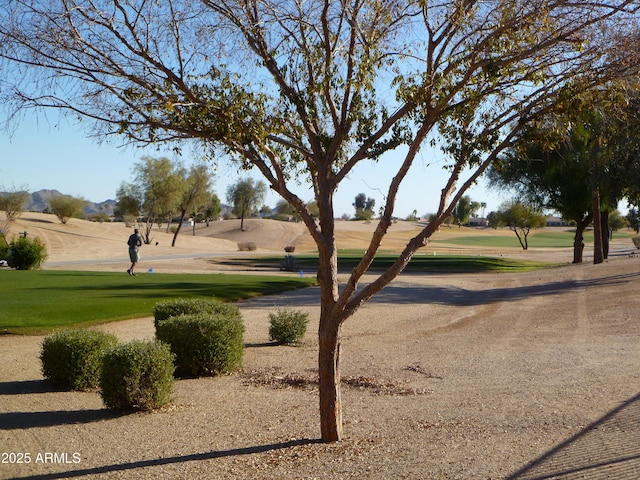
[(288, 326), (137, 375), (203, 343), (636, 241), (189, 306), (72, 359), (26, 253)]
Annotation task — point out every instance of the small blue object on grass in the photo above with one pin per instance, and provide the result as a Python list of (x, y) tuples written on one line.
[(301, 274), (150, 270)]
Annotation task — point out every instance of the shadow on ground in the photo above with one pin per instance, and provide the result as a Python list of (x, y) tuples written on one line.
[(406, 293), (124, 467), (606, 449)]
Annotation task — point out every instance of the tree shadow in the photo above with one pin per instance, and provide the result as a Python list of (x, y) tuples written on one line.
[(51, 418), (261, 344), (406, 293), (124, 467), (608, 448), (22, 387)]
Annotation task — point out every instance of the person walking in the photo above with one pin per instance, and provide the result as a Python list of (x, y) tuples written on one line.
[(134, 242)]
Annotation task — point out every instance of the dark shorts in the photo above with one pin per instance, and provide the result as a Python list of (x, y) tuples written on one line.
[(134, 255)]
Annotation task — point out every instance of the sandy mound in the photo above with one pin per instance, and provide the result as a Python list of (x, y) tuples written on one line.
[(83, 240)]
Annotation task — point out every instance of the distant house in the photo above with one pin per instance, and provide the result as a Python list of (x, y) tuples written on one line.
[(556, 222), (478, 222)]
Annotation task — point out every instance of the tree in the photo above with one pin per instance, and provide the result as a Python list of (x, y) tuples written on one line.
[(245, 196), (633, 217), (364, 207), (284, 210), (65, 207), (413, 216), (616, 222), (128, 203), (195, 194), (12, 203), (520, 218), (579, 161), (555, 178), (156, 192), (464, 210), (292, 89), (213, 209)]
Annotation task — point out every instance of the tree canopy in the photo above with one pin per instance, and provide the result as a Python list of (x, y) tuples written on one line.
[(12, 203), (196, 194), (588, 146), (521, 218), (246, 196), (464, 209), (364, 207), (154, 193), (305, 92), (66, 207)]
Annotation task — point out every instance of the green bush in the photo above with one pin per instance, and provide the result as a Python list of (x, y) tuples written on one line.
[(203, 343), (72, 359), (188, 306), (26, 253), (288, 326), (137, 375), (636, 241), (4, 248)]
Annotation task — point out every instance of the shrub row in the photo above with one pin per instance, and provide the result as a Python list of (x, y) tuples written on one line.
[(204, 334), (136, 375), (72, 359), (194, 337), (187, 306), (203, 343)]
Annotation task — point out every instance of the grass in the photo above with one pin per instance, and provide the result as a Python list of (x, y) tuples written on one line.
[(421, 263), (38, 301), (541, 239)]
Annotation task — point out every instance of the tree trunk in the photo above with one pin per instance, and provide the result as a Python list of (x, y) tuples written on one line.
[(598, 255), (515, 230), (604, 229), (525, 233), (175, 235), (330, 336), (578, 239)]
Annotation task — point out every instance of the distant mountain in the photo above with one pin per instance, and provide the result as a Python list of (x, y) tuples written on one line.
[(39, 202)]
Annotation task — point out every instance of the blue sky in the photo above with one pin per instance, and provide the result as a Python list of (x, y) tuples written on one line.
[(40, 155)]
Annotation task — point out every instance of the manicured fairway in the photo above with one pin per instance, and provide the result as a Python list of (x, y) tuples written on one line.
[(537, 239), (420, 263), (37, 301)]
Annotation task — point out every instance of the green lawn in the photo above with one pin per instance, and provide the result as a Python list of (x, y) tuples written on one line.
[(420, 263), (542, 239), (40, 300)]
